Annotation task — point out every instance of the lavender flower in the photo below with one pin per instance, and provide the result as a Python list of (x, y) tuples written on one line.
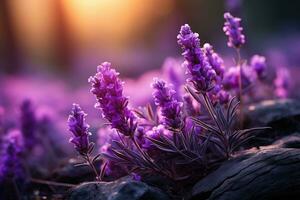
[(233, 30), (214, 60), (170, 108), (140, 135), (201, 73), (106, 135), (28, 124), (108, 89), (16, 136), (282, 83), (231, 78), (79, 128), (258, 63), (155, 133), (219, 95), (10, 165)]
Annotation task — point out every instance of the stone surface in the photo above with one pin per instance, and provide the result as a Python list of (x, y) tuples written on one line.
[(121, 189), (265, 174), (291, 141), (283, 116)]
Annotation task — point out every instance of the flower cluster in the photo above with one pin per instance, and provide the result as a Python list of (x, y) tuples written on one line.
[(79, 129), (108, 89), (215, 61), (10, 165), (175, 136), (258, 63), (170, 108), (233, 30), (202, 75), (231, 78), (217, 94)]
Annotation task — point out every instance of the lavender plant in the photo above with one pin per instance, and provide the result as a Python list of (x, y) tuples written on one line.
[(258, 63), (79, 128), (108, 89), (233, 30), (10, 166), (220, 132), (12, 171), (169, 106), (176, 134), (241, 77)]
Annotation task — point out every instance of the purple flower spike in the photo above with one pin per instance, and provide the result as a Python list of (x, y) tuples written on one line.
[(108, 89), (233, 30), (164, 97), (79, 128), (214, 60), (258, 63), (10, 165), (28, 124), (202, 75)]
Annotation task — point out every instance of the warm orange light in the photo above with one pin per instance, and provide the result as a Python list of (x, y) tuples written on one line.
[(111, 21), (33, 22), (99, 24)]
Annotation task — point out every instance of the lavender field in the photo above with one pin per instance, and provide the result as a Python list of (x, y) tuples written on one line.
[(117, 100)]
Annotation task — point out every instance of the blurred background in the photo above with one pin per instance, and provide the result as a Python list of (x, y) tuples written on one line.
[(53, 46), (63, 37)]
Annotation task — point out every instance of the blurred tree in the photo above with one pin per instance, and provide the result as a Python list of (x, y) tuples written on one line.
[(62, 38), (10, 52)]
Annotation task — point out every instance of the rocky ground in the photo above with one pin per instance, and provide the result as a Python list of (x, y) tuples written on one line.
[(266, 168)]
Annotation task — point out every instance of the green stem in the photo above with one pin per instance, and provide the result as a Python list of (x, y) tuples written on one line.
[(239, 65), (91, 164), (211, 111), (214, 118)]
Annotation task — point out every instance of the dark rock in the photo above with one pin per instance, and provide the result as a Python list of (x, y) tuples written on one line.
[(157, 181), (266, 174), (292, 141), (283, 116), (121, 189)]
